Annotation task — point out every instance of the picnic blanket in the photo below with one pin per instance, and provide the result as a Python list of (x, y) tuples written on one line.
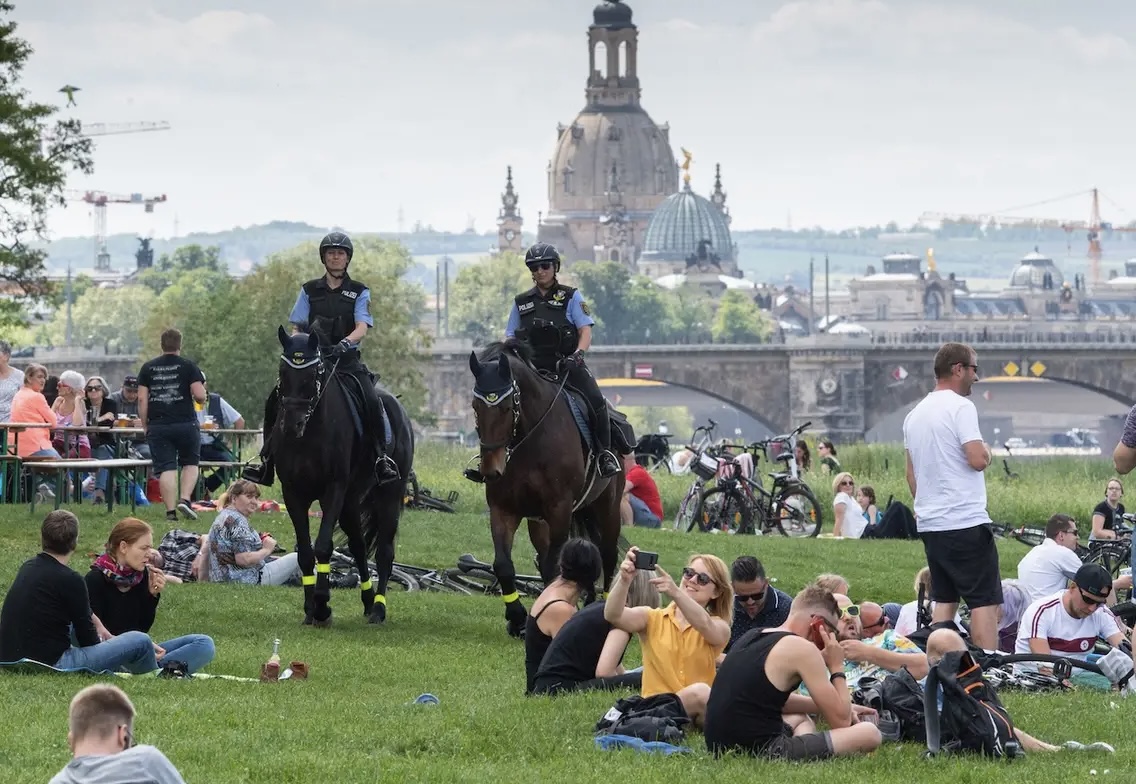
[(31, 667)]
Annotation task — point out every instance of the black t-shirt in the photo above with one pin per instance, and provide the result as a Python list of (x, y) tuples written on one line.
[(575, 651), (46, 599), (1112, 517), (168, 378), (109, 406), (744, 710), (773, 613), (122, 611)]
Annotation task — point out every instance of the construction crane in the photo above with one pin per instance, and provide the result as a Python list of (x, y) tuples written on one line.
[(1092, 227), (114, 129), (99, 201)]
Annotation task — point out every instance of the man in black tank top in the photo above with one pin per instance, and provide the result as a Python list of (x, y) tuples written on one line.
[(753, 707)]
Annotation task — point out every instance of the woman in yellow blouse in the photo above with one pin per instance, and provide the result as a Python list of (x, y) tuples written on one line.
[(681, 642)]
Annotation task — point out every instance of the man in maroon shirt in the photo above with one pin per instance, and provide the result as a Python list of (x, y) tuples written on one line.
[(641, 504)]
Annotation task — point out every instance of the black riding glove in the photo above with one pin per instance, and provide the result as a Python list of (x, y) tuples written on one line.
[(341, 348), (576, 360)]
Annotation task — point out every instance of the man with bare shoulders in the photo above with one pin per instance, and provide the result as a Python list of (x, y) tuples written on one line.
[(945, 460), (753, 707)]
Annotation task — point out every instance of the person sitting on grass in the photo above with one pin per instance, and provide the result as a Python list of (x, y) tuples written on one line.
[(125, 589), (580, 567), (587, 652), (47, 603), (757, 604), (233, 552), (681, 642), (101, 736), (754, 707)]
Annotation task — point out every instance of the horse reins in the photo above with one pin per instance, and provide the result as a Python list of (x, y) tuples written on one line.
[(516, 398), (320, 389)]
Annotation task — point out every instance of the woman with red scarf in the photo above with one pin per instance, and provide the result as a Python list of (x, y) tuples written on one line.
[(125, 590)]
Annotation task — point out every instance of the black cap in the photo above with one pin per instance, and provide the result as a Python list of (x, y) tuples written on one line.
[(130, 382), (1094, 580)]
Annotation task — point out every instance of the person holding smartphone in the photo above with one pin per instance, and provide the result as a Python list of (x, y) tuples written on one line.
[(753, 707), (681, 642)]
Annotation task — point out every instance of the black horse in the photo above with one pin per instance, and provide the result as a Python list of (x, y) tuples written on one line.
[(536, 466), (321, 455)]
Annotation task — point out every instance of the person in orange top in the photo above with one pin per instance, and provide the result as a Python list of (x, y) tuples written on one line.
[(681, 642), (30, 406)]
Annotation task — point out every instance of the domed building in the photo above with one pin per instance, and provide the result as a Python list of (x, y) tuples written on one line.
[(1036, 271), (689, 233), (613, 165)]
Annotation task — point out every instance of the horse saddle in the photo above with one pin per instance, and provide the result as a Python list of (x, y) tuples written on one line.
[(622, 434), (357, 405)]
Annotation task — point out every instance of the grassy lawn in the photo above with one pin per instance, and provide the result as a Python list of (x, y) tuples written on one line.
[(351, 721)]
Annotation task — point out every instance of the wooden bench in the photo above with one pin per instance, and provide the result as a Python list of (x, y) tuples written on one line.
[(63, 467)]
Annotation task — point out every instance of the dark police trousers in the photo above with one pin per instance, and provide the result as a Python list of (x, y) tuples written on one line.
[(582, 379)]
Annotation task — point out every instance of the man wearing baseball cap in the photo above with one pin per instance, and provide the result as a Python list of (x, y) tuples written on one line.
[(1068, 623), (127, 400)]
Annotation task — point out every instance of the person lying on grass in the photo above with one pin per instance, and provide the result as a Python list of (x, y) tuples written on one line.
[(682, 641), (125, 589), (753, 707)]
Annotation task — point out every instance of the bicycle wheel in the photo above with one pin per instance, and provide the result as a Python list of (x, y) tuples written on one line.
[(725, 510), (657, 464), (1113, 556), (404, 579), (687, 514), (796, 512)]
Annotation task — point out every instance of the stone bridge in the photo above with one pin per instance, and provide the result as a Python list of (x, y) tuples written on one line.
[(843, 386)]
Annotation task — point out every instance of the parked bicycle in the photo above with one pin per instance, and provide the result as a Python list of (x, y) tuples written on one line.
[(737, 501), (653, 452), (477, 577), (418, 497), (703, 464)]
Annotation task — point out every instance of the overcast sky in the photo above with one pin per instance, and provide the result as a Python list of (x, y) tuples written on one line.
[(836, 112)]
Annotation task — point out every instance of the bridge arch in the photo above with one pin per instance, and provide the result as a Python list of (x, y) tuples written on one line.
[(760, 418)]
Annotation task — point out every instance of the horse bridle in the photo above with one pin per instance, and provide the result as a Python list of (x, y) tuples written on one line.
[(298, 362), (494, 399)]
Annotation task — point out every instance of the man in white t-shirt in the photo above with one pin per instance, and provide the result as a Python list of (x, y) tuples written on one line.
[(1068, 623), (1048, 568), (945, 460)]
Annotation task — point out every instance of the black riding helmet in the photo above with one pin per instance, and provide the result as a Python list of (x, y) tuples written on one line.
[(542, 251), (337, 239)]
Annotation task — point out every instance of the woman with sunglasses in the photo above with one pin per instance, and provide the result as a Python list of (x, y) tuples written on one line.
[(850, 520), (682, 641), (70, 409), (101, 412)]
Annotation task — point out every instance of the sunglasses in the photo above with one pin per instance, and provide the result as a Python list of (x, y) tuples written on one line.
[(972, 367), (881, 621), (831, 626), (701, 577), (848, 482), (541, 265), (1072, 531), (749, 597), (1091, 599), (94, 389), (851, 611)]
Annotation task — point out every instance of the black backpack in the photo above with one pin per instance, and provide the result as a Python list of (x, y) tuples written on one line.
[(897, 522), (972, 717), (657, 718), (898, 699)]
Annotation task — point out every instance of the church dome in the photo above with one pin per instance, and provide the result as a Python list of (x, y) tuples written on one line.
[(612, 14), (686, 225), (579, 174), (1036, 271)]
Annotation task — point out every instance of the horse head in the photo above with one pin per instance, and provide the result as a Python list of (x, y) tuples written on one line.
[(496, 411), (303, 377)]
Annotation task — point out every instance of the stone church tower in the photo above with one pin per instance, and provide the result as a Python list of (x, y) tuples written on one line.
[(509, 219), (612, 166)]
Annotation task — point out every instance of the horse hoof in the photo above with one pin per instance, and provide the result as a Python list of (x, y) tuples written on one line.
[(308, 620), (515, 630), (324, 624), (378, 616)]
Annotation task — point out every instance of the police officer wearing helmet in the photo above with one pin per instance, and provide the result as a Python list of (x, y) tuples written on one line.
[(562, 307), (338, 310)]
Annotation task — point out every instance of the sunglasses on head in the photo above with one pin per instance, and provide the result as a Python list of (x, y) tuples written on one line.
[(541, 265), (750, 597), (701, 577)]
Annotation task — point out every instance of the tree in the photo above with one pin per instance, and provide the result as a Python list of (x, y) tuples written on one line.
[(605, 286), (36, 155), (230, 330), (739, 320), (110, 318), (691, 315), (188, 258), (482, 294)]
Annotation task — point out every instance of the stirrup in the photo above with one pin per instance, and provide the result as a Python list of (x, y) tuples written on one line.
[(473, 475), (386, 470), (258, 474), (608, 455)]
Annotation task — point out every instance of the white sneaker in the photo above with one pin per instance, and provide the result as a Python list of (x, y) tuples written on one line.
[(186, 510), (46, 491), (1073, 745)]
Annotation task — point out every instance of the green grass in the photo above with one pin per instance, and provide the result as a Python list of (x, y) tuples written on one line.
[(351, 722)]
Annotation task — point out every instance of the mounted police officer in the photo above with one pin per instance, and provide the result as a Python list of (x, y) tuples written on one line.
[(338, 310), (551, 304)]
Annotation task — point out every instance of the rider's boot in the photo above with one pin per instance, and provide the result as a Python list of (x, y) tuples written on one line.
[(607, 461), (386, 470)]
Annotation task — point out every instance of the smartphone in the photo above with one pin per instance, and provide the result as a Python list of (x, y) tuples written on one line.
[(646, 561), (817, 624)]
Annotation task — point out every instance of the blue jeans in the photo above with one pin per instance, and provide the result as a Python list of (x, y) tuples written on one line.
[(196, 650), (102, 452), (641, 513), (131, 651)]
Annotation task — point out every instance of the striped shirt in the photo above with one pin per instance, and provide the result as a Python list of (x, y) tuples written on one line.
[(1047, 619)]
